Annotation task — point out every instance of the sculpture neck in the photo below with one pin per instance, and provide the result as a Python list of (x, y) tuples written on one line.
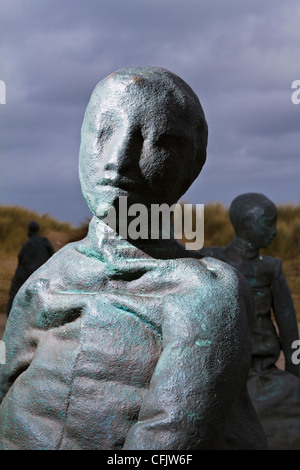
[(244, 248), (111, 247)]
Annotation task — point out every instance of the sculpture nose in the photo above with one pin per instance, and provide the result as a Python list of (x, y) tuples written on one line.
[(124, 154)]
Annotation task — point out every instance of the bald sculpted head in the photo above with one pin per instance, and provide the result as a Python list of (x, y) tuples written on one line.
[(254, 218), (144, 136)]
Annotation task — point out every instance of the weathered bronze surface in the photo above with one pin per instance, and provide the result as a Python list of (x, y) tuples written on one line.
[(131, 344), (275, 393), (34, 252)]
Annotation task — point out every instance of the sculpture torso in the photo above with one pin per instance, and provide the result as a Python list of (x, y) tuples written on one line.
[(134, 345), (261, 273), (275, 393), (93, 345)]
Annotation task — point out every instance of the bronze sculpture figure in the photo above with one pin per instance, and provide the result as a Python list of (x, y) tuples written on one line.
[(131, 344), (34, 252), (275, 393)]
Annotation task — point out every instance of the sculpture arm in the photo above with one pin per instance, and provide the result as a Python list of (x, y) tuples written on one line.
[(285, 316), (21, 254), (200, 374), (35, 311), (20, 339), (49, 247)]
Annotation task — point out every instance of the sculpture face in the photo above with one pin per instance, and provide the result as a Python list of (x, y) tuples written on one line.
[(254, 218), (138, 140), (260, 226)]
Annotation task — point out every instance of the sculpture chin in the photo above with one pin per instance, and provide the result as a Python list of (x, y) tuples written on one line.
[(104, 201), (102, 210)]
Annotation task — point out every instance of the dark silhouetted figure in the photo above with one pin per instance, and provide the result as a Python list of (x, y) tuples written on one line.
[(34, 252), (275, 393)]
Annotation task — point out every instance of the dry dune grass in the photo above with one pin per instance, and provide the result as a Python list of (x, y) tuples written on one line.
[(13, 227), (217, 227)]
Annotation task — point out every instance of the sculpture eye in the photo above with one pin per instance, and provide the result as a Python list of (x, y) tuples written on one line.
[(171, 144), (104, 133), (170, 141)]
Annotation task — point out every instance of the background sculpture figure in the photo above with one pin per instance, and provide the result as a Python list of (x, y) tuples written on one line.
[(34, 252), (275, 393), (131, 344)]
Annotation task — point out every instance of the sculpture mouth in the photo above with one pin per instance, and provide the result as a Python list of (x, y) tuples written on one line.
[(124, 184)]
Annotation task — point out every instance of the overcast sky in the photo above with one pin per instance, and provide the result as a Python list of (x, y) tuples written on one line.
[(240, 57)]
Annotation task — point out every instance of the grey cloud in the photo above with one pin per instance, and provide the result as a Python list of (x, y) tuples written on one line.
[(239, 57)]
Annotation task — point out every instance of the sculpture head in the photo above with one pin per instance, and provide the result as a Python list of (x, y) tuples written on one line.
[(254, 218), (144, 136), (33, 228)]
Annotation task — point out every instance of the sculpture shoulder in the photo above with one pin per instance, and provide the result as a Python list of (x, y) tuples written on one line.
[(213, 251), (272, 265), (214, 279), (216, 300), (60, 262), (208, 267), (47, 242), (60, 272)]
